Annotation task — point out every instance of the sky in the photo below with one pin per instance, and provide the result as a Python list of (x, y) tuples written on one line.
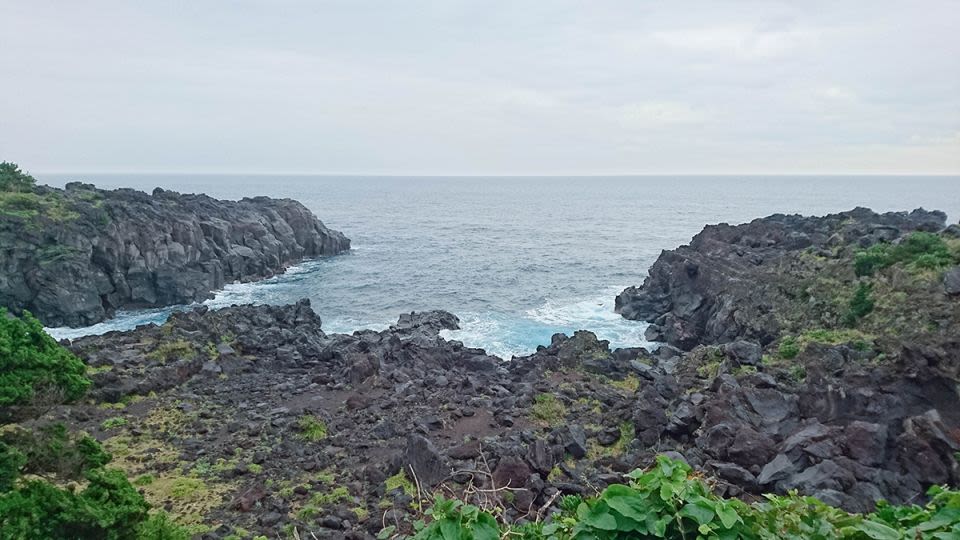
[(481, 88)]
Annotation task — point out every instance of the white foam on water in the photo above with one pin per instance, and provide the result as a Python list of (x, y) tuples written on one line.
[(254, 292), (507, 335), (347, 325), (501, 334), (124, 320)]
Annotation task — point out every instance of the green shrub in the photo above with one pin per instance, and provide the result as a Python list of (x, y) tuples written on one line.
[(789, 348), (866, 262), (33, 364), (312, 428), (670, 502), (159, 527), (13, 179), (51, 450), (109, 507), (860, 305), (11, 461), (453, 519), (114, 422), (144, 480), (919, 250)]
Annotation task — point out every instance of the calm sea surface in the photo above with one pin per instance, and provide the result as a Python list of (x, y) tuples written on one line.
[(517, 259)]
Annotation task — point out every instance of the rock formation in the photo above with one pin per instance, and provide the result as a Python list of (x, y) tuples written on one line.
[(82, 253), (732, 282)]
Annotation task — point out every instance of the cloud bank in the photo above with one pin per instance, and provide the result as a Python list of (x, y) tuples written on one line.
[(407, 88)]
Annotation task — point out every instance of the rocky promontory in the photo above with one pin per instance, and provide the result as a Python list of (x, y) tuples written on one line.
[(74, 256), (746, 281)]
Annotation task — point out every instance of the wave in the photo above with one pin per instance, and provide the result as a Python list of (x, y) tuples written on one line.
[(507, 335)]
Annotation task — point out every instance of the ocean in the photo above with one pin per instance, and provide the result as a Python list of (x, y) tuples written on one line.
[(516, 259)]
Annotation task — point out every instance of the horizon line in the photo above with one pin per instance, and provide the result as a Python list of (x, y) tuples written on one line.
[(496, 175)]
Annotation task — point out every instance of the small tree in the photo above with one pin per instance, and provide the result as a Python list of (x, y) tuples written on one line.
[(34, 365), (13, 179)]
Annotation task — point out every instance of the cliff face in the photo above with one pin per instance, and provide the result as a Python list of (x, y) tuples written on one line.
[(74, 256), (749, 281)]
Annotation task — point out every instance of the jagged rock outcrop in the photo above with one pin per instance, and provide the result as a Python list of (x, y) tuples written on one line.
[(730, 282), (857, 427), (88, 252)]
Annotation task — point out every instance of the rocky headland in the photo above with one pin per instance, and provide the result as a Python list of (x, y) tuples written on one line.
[(73, 257), (812, 354)]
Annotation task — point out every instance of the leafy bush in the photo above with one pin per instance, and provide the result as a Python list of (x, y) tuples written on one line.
[(109, 507), (860, 305), (51, 450), (789, 348), (13, 179), (159, 527), (670, 502), (921, 250), (11, 460), (453, 519), (32, 363), (867, 262)]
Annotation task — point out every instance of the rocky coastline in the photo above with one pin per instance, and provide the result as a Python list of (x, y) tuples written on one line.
[(764, 384), (853, 416), (74, 256)]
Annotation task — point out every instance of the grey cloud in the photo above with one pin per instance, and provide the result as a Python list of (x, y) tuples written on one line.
[(481, 87)]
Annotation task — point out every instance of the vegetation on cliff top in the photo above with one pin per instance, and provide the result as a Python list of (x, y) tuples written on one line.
[(12, 179), (918, 251), (21, 198)]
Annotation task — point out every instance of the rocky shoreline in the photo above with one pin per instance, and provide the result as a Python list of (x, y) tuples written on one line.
[(730, 282), (73, 257), (767, 383)]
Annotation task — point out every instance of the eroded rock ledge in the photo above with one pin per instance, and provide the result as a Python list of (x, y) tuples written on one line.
[(77, 255)]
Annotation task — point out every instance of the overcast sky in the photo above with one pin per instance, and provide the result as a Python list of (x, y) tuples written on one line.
[(547, 87)]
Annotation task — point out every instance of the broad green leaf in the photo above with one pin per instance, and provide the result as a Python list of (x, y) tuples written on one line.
[(666, 491), (728, 516), (486, 528), (698, 513), (598, 518), (450, 529), (878, 531), (628, 506)]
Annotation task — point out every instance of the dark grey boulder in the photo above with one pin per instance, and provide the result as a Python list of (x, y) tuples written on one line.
[(574, 440), (951, 280), (421, 456), (778, 469)]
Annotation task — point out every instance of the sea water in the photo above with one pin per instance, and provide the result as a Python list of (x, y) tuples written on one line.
[(516, 259)]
